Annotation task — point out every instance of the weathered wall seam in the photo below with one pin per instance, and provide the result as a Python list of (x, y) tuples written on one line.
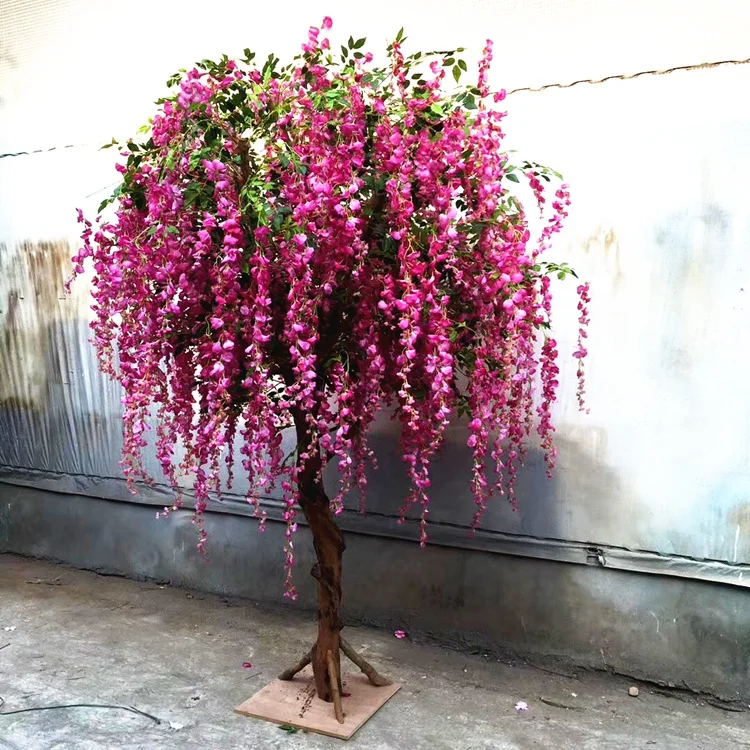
[(443, 534)]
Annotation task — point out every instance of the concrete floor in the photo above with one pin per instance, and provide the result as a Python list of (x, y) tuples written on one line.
[(78, 637)]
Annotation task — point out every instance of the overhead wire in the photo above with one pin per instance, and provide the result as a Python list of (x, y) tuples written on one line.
[(522, 89)]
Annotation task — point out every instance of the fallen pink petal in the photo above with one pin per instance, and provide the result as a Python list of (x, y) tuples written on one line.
[(247, 665), (401, 634)]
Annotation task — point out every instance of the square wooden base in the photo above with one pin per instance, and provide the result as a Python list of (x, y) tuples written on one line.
[(296, 704)]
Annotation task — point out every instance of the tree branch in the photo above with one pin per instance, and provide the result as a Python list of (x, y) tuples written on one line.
[(370, 672), (288, 674)]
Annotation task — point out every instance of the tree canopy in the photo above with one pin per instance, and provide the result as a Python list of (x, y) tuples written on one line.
[(305, 244)]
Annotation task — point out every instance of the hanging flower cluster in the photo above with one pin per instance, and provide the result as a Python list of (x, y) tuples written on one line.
[(305, 244)]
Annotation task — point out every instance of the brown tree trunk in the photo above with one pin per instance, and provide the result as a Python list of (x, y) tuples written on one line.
[(329, 548)]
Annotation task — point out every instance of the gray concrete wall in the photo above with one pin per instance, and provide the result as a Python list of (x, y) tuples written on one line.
[(677, 631)]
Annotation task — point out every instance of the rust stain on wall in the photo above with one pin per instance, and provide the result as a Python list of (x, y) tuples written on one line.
[(604, 244), (32, 303), (740, 517), (603, 247)]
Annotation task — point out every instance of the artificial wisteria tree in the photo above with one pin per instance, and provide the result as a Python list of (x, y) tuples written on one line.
[(298, 246)]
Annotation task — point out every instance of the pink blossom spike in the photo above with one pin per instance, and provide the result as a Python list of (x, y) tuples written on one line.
[(299, 246)]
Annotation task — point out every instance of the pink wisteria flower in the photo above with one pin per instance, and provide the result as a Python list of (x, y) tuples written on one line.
[(297, 247)]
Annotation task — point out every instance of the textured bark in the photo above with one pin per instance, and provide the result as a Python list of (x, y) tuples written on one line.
[(325, 655), (333, 674), (329, 548), (288, 674)]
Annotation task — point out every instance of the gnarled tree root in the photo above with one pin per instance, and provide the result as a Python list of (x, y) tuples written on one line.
[(369, 671), (375, 678), (288, 674)]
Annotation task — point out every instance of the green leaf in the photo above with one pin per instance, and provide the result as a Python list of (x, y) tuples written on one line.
[(561, 275), (457, 73), (360, 43), (139, 198), (462, 65), (344, 52), (288, 728), (211, 135), (469, 102), (400, 35), (512, 177), (437, 109), (351, 42)]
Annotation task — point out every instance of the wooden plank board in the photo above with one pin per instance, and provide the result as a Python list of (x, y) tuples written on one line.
[(296, 704)]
